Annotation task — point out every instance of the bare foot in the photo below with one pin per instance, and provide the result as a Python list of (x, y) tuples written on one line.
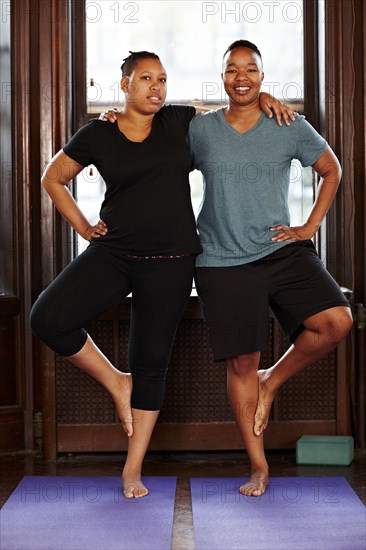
[(133, 486), (256, 486), (265, 400), (122, 400)]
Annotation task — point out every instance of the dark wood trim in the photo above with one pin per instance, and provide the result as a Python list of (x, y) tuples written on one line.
[(62, 108), (8, 242), (343, 413), (21, 67), (46, 358), (79, 64), (9, 306), (54, 116), (345, 131), (340, 84), (360, 220), (180, 437), (311, 63), (12, 430)]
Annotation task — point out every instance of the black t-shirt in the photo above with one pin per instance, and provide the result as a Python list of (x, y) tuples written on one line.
[(147, 205)]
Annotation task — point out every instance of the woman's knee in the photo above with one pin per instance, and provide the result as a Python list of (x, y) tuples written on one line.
[(244, 364), (148, 369), (39, 319), (343, 323), (336, 324), (63, 336), (152, 368)]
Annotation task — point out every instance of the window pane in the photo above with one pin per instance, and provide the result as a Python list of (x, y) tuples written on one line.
[(301, 193), (90, 192), (190, 37)]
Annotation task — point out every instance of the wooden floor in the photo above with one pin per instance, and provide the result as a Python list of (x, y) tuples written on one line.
[(183, 465)]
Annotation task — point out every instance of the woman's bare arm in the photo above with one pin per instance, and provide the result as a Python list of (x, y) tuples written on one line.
[(56, 176)]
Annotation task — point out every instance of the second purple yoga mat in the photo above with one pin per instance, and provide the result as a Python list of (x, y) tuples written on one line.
[(312, 513), (78, 513)]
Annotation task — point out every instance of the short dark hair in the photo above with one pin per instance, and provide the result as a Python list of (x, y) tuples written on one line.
[(243, 44), (130, 62)]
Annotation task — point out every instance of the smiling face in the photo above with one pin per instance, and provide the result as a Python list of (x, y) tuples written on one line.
[(145, 89), (242, 75)]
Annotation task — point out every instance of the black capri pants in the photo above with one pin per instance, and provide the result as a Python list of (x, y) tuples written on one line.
[(97, 281)]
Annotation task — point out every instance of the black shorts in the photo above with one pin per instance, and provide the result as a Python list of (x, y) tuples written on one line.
[(292, 281)]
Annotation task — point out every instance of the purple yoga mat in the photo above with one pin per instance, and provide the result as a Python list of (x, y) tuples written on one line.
[(79, 513), (314, 513)]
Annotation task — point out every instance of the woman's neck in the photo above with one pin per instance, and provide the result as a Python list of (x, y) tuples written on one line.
[(242, 117), (135, 126), (133, 118), (243, 113)]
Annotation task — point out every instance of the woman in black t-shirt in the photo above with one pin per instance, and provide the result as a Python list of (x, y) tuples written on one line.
[(145, 244)]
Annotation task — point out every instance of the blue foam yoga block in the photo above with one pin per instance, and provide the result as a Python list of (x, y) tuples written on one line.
[(325, 449)]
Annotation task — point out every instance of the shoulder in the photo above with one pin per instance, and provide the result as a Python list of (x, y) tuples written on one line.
[(180, 113), (302, 125), (99, 126), (273, 124), (205, 120), (89, 129), (98, 132), (296, 129), (306, 132), (88, 139)]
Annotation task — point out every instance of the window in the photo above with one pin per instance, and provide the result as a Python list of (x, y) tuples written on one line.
[(190, 37)]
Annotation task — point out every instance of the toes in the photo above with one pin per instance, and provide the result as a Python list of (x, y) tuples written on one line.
[(141, 492), (135, 490), (253, 492), (258, 427), (257, 493), (261, 417), (253, 489), (128, 427), (125, 415), (129, 490)]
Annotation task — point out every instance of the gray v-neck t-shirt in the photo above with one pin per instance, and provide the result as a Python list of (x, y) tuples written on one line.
[(246, 181)]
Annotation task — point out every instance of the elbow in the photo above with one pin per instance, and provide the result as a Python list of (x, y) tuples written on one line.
[(333, 173), (46, 183), (45, 178), (50, 179)]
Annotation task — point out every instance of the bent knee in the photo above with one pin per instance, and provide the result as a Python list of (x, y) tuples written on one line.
[(37, 320), (337, 325), (51, 328), (244, 364), (345, 322)]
